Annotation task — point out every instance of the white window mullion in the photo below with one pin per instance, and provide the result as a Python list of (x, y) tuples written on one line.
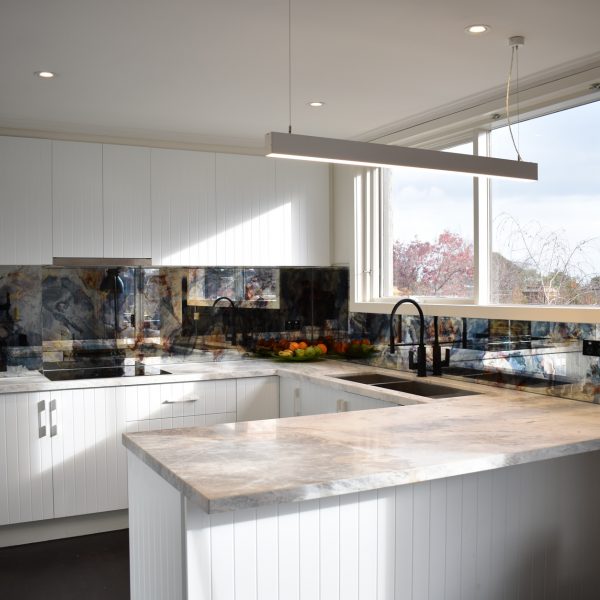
[(481, 222)]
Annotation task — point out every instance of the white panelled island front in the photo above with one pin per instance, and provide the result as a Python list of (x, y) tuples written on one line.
[(486, 496)]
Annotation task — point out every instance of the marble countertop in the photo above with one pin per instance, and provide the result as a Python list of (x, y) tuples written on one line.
[(240, 465)]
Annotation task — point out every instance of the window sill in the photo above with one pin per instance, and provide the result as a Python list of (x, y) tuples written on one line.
[(563, 314)]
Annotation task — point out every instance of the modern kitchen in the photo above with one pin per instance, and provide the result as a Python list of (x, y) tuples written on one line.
[(299, 300)]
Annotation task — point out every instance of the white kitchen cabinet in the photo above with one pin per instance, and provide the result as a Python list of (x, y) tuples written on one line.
[(25, 201), (184, 226), (89, 468), (302, 198), (25, 458), (297, 398), (172, 405), (249, 223), (77, 216), (257, 398), (126, 201)]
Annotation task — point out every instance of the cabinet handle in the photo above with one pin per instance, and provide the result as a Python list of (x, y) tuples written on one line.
[(53, 425), (342, 405), (41, 408), (180, 401), (297, 402)]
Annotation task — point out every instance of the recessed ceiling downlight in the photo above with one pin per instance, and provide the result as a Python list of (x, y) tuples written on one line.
[(45, 74), (316, 103), (477, 29)]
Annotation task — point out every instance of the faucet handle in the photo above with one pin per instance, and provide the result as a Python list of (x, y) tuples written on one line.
[(446, 361)]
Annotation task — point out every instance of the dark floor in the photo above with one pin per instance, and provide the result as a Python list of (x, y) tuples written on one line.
[(90, 567)]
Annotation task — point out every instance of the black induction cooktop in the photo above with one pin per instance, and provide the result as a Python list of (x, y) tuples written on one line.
[(73, 371)]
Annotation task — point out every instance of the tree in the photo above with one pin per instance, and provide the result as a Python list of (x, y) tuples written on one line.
[(544, 268), (442, 268)]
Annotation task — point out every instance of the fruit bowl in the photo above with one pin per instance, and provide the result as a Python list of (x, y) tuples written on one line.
[(294, 358)]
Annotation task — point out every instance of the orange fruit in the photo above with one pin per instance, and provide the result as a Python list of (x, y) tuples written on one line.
[(323, 348), (303, 345), (293, 346)]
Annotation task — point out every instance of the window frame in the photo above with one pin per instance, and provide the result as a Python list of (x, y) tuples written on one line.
[(369, 270)]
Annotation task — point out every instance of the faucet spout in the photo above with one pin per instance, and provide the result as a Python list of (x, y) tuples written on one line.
[(420, 365), (233, 307)]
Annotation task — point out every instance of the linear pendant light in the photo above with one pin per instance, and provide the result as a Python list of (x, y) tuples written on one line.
[(311, 148)]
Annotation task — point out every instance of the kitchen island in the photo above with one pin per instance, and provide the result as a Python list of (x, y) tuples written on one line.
[(488, 496)]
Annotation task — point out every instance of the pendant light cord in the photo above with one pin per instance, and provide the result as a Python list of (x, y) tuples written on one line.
[(515, 48), (290, 64)]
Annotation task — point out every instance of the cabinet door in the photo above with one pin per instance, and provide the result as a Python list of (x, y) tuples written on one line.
[(248, 218), (257, 398), (126, 200), (302, 199), (25, 201), (25, 458), (88, 460), (183, 208), (77, 199)]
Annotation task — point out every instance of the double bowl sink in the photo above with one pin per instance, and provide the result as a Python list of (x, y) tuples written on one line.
[(408, 386)]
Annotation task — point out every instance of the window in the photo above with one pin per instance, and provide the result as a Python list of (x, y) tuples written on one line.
[(430, 233), (451, 240), (545, 237)]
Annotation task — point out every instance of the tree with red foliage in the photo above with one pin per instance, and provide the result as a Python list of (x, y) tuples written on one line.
[(442, 268)]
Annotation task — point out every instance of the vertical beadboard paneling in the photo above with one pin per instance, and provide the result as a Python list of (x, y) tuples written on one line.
[(126, 201), (245, 554), (183, 207), (222, 542), (77, 199), (367, 548), (25, 201), (303, 201), (268, 566), (386, 543), (309, 559), (4, 460), (404, 542), (155, 535), (437, 538), (245, 187), (421, 533), (349, 547), (287, 519), (468, 576), (329, 547), (454, 487), (484, 565), (199, 553)]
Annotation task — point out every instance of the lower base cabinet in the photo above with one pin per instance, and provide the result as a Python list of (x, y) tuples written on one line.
[(63, 454), (298, 397)]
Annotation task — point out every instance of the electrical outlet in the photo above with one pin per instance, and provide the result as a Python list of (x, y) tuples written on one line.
[(591, 347), (292, 325)]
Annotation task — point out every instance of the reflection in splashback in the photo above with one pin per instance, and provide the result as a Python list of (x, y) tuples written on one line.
[(20, 324)]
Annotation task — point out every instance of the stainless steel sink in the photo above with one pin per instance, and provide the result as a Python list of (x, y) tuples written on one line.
[(427, 390), (371, 378)]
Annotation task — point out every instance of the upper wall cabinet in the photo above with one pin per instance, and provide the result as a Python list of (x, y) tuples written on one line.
[(249, 221), (77, 219), (25, 201), (101, 200), (126, 201), (302, 190), (183, 208)]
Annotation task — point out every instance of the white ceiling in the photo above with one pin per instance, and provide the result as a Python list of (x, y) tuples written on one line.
[(216, 72)]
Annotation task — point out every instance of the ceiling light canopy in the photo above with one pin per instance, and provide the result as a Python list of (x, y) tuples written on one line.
[(45, 74), (477, 29), (305, 147)]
